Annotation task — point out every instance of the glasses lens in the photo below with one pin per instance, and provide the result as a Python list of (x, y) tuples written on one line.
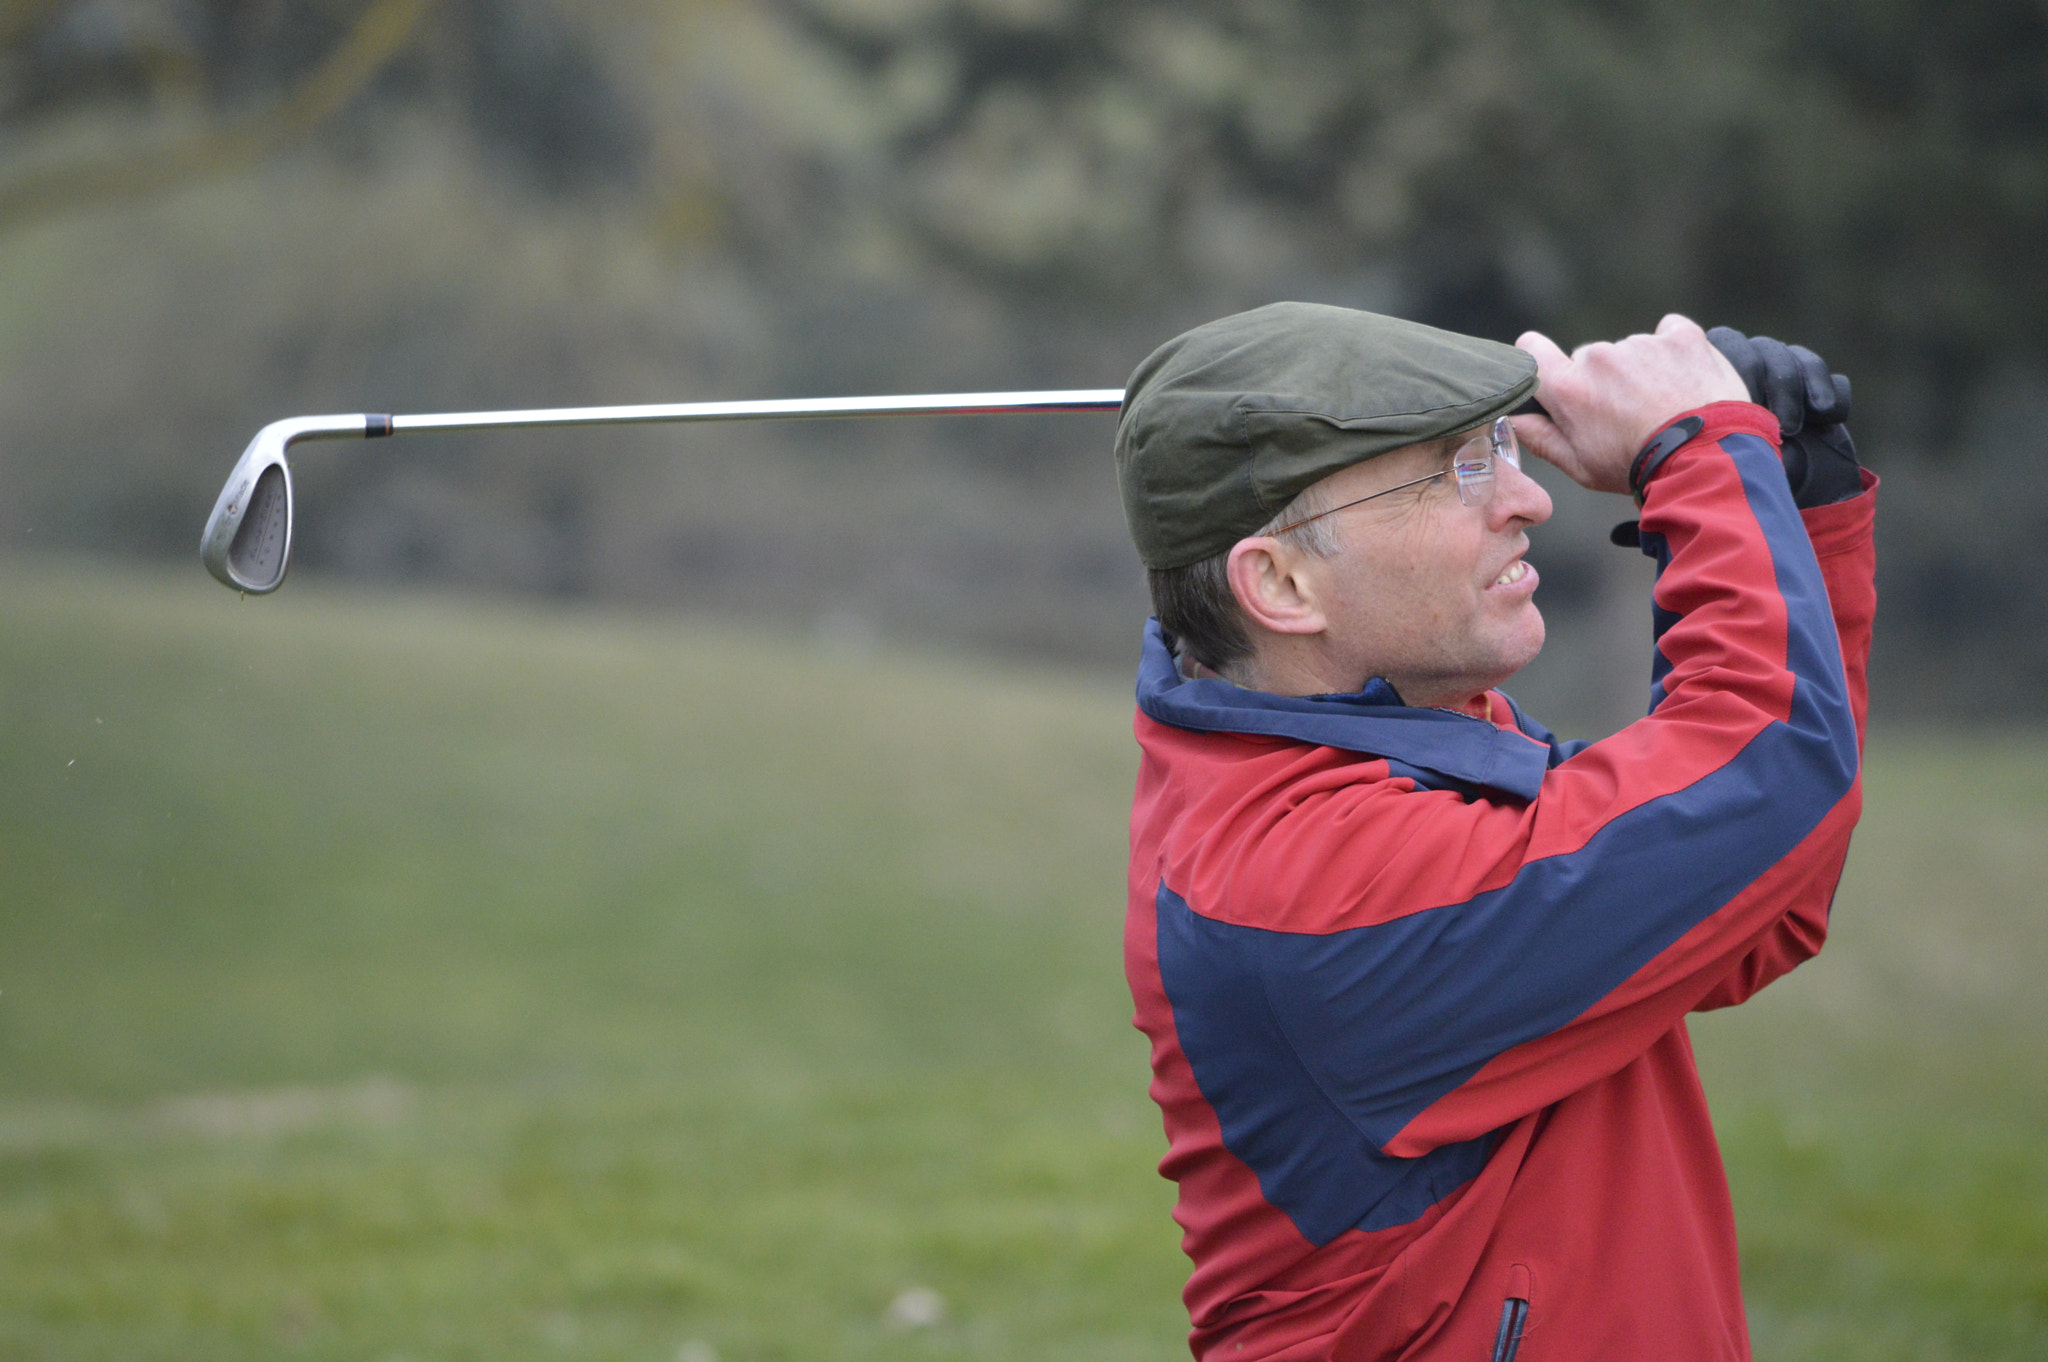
[(1473, 465), (1505, 445), (1477, 458)]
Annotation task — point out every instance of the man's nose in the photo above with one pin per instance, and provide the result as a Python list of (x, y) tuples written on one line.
[(1516, 496)]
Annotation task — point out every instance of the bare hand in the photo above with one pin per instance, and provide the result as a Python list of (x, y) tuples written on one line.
[(1607, 399)]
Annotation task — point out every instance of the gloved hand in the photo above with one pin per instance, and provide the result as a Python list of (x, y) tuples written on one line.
[(1811, 405)]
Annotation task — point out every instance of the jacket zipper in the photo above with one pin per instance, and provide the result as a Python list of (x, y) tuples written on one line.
[(1507, 1341)]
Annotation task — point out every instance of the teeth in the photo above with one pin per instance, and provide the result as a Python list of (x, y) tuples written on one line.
[(1516, 571)]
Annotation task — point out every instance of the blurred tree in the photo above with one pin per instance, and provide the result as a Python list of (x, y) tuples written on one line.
[(1872, 177), (65, 55), (226, 82)]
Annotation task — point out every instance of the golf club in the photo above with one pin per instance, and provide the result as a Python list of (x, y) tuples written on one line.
[(248, 539)]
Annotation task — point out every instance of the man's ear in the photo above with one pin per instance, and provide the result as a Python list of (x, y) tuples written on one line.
[(1271, 584)]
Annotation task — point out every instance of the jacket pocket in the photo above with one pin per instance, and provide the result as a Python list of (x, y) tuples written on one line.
[(1514, 1315)]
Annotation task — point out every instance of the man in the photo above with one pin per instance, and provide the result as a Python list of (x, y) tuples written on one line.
[(1414, 971)]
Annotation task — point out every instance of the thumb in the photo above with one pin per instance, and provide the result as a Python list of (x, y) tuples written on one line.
[(1541, 437)]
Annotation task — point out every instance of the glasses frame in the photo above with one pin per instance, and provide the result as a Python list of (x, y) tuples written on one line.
[(1476, 477)]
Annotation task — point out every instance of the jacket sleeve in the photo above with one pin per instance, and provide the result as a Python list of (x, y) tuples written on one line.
[(1842, 542), (1440, 967)]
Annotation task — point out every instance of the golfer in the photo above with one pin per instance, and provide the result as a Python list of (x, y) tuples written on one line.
[(1415, 972)]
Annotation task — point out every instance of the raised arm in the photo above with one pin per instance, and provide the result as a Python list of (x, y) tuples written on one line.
[(1836, 499)]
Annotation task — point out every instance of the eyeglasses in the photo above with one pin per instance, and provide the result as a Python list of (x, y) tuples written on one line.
[(1472, 465)]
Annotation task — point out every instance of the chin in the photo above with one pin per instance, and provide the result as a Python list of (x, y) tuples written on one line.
[(1527, 641)]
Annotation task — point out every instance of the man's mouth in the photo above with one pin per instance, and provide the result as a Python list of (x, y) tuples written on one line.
[(1515, 572)]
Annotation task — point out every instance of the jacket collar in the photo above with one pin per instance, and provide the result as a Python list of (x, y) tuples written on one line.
[(1458, 747)]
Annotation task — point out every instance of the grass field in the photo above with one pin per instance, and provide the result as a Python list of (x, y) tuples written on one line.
[(398, 979)]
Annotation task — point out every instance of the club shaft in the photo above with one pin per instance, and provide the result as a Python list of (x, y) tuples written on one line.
[(247, 542), (928, 404)]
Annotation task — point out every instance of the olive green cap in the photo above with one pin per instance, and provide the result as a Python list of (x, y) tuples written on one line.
[(1223, 426)]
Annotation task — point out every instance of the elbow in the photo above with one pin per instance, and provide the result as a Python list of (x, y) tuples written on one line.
[(1830, 740)]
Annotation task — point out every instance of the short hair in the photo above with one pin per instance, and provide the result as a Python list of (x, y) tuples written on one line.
[(1195, 604)]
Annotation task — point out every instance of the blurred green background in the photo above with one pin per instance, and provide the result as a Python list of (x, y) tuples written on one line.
[(656, 894)]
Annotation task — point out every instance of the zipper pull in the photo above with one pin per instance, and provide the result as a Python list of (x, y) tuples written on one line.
[(1514, 1314)]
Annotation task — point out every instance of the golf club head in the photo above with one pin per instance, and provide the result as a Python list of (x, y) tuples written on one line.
[(247, 544)]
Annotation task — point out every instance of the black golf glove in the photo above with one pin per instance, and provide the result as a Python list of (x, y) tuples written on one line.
[(1811, 405)]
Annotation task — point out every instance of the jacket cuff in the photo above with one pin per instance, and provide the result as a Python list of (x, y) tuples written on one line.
[(1705, 424), (1841, 526)]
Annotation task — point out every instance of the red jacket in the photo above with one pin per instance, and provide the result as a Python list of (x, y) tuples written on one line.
[(1416, 984)]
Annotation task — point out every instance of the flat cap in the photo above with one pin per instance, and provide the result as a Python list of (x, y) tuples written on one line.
[(1224, 425)]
